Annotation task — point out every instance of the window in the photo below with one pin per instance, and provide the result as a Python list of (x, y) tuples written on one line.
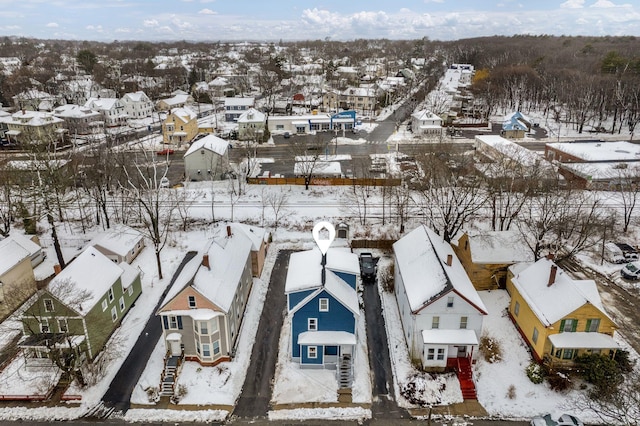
[(104, 305), (431, 354), (48, 305), (62, 325), (114, 314), (173, 323), (440, 354), (324, 305), (312, 324), (463, 322), (535, 335), (435, 322), (130, 289), (206, 351), (214, 325), (121, 303), (111, 296), (192, 302), (568, 325), (204, 327), (568, 353), (450, 302), (593, 325), (198, 346), (216, 347), (44, 325), (516, 308), (312, 352)]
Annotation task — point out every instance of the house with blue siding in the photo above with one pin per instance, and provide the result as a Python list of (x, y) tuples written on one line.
[(323, 306)]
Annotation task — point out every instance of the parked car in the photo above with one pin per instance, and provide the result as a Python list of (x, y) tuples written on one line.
[(631, 270), (613, 253), (165, 151), (563, 420), (630, 253), (287, 135), (368, 268), (164, 182)]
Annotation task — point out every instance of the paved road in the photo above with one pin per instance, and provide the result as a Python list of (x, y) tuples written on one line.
[(257, 389), (118, 394)]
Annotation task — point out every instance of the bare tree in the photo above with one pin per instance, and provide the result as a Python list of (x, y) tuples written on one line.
[(626, 182), (277, 200), (306, 155)]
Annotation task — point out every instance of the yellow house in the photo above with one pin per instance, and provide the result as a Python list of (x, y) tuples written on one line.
[(180, 126), (486, 255), (559, 317)]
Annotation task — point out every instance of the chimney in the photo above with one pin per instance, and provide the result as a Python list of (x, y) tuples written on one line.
[(57, 269), (551, 257), (205, 261), (449, 259), (552, 275), (229, 231)]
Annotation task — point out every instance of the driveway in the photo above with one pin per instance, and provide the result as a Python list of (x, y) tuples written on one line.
[(118, 396), (257, 388)]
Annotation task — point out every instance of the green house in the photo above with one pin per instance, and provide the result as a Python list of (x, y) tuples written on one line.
[(81, 307)]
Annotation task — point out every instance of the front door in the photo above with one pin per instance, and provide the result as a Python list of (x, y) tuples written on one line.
[(462, 351), (175, 347)]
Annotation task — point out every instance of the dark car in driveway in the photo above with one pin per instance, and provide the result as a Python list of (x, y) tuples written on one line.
[(368, 268)]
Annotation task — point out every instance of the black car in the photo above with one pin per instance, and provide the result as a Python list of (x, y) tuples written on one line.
[(368, 268)]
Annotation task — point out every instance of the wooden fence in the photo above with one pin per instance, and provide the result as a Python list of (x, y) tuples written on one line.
[(323, 181), (373, 244)]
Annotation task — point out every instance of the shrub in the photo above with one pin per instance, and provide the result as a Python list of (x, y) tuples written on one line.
[(559, 381), (600, 370), (625, 364), (511, 392), (490, 349), (535, 373), (385, 275)]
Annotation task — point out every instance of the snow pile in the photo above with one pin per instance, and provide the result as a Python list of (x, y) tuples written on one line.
[(351, 413), (164, 416)]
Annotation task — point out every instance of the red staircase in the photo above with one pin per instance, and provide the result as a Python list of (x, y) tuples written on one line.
[(463, 370)]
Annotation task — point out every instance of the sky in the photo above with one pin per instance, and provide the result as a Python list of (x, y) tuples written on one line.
[(273, 20)]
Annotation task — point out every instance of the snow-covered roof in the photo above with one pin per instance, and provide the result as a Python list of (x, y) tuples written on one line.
[(449, 337), (425, 114), (11, 254), (239, 101), (319, 168), (305, 267), (185, 114), (512, 150), (24, 242), (119, 240), (605, 171), (600, 151), (256, 234), (551, 303), (91, 271), (177, 99), (252, 115), (102, 104), (211, 143), (421, 260), (514, 124), (581, 339), (499, 247), (227, 259), (74, 111), (322, 338), (138, 96), (200, 314)]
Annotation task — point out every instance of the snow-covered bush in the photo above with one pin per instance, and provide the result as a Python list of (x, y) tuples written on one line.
[(535, 373), (490, 349)]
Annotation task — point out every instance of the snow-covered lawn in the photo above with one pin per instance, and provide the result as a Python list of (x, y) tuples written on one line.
[(20, 379)]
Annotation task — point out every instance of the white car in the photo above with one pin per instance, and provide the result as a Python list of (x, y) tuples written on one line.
[(164, 182), (563, 420), (631, 270)]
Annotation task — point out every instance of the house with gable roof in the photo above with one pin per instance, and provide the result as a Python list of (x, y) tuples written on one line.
[(206, 159), (425, 122), (17, 281), (201, 319), (486, 255), (559, 318), (179, 99), (80, 307), (440, 310), (180, 126), (137, 105), (235, 107), (323, 309), (112, 110), (251, 125), (120, 244), (515, 125)]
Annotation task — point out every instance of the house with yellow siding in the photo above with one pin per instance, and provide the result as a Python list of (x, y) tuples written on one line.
[(486, 255), (180, 126), (560, 318)]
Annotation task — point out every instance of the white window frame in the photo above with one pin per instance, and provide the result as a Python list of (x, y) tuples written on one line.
[(44, 324), (204, 330), (191, 300), (63, 325), (450, 302), (48, 305), (121, 304), (114, 314), (130, 289), (215, 347), (105, 304), (435, 322), (312, 352), (312, 324), (431, 354), (440, 355), (323, 301), (464, 323), (206, 348), (172, 322)]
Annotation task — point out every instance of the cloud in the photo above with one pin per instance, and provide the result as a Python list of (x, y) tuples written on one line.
[(207, 12), (52, 25), (122, 30), (603, 4), (572, 4), (150, 23), (97, 28), (434, 1)]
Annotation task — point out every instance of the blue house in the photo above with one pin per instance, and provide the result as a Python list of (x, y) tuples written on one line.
[(323, 306)]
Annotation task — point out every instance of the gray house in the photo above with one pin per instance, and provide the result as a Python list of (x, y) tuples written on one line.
[(206, 159)]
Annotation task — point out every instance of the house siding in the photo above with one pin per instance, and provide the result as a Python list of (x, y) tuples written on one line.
[(295, 298), (207, 166), (483, 276), (18, 284), (347, 277), (338, 318)]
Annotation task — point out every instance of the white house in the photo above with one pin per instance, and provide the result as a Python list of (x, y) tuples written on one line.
[(206, 159), (251, 125), (112, 110), (234, 107), (426, 122), (137, 105), (440, 310)]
